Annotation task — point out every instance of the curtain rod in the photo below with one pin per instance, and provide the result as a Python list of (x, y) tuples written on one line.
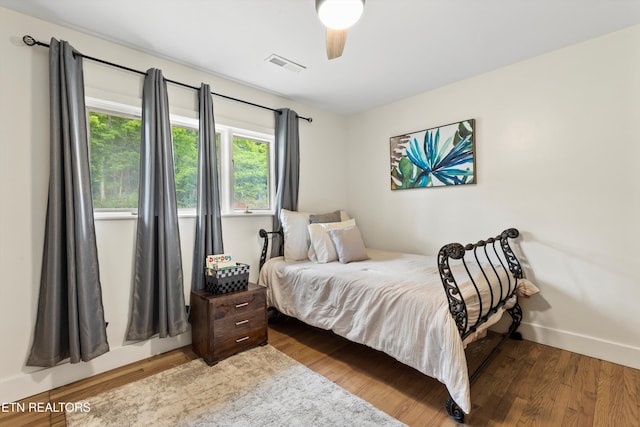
[(30, 41)]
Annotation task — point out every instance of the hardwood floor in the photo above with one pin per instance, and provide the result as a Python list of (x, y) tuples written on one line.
[(525, 384)]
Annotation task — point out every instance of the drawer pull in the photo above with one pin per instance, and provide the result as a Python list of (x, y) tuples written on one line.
[(242, 339), (242, 322), (244, 304)]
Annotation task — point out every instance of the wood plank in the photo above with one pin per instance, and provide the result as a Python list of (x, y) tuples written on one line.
[(569, 374), (495, 381), (560, 404), (515, 412), (616, 403), (636, 379), (629, 413), (604, 397), (518, 386), (585, 389), (543, 390)]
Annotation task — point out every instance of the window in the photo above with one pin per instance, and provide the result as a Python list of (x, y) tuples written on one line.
[(244, 161), (250, 173), (185, 165), (115, 160)]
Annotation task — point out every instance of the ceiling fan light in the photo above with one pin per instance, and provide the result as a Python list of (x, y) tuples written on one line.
[(339, 14)]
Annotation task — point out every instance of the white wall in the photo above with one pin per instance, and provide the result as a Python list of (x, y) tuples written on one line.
[(557, 157), (24, 167)]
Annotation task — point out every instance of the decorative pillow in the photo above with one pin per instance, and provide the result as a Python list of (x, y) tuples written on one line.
[(296, 236), (349, 244), (322, 249), (324, 218)]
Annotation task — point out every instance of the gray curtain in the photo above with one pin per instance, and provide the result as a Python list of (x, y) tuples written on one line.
[(208, 239), (70, 317), (157, 305), (287, 170)]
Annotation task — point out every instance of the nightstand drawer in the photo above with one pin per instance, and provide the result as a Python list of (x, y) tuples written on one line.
[(238, 324), (237, 304), (239, 342)]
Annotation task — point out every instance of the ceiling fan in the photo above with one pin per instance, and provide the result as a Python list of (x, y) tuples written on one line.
[(338, 16)]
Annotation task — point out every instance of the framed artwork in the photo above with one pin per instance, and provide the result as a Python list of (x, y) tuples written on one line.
[(434, 157)]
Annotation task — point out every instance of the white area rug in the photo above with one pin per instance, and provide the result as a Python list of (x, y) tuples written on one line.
[(260, 387)]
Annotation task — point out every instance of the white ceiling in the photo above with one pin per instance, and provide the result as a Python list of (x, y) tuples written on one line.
[(398, 48)]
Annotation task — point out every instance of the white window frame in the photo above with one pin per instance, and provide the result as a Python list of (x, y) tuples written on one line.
[(226, 133)]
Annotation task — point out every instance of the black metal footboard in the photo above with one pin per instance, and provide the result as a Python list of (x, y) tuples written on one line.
[(480, 276)]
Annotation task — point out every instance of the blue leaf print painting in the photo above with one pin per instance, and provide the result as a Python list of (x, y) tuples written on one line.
[(434, 157)]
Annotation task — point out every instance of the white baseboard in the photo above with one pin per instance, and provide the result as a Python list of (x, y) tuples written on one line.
[(33, 381), (589, 346)]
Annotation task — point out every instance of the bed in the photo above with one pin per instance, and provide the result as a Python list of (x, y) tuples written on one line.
[(438, 304)]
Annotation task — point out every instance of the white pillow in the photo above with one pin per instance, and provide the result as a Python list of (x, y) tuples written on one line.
[(349, 244), (296, 235), (322, 248)]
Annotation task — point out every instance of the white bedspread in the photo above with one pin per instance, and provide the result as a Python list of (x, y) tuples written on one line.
[(393, 302)]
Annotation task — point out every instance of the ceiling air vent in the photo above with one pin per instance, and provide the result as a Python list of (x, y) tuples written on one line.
[(285, 63)]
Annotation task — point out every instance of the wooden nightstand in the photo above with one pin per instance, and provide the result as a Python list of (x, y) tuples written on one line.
[(223, 325)]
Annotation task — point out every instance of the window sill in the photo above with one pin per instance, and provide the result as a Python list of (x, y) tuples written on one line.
[(187, 213), (248, 214), (100, 216)]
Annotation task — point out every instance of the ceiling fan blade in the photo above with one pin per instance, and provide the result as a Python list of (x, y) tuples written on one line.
[(336, 40)]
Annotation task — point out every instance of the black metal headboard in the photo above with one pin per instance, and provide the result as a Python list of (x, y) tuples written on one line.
[(265, 235)]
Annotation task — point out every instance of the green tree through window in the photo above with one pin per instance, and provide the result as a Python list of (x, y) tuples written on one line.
[(115, 164), (115, 160), (185, 160), (250, 173)]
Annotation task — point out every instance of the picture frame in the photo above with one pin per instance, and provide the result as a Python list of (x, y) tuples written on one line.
[(435, 157)]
